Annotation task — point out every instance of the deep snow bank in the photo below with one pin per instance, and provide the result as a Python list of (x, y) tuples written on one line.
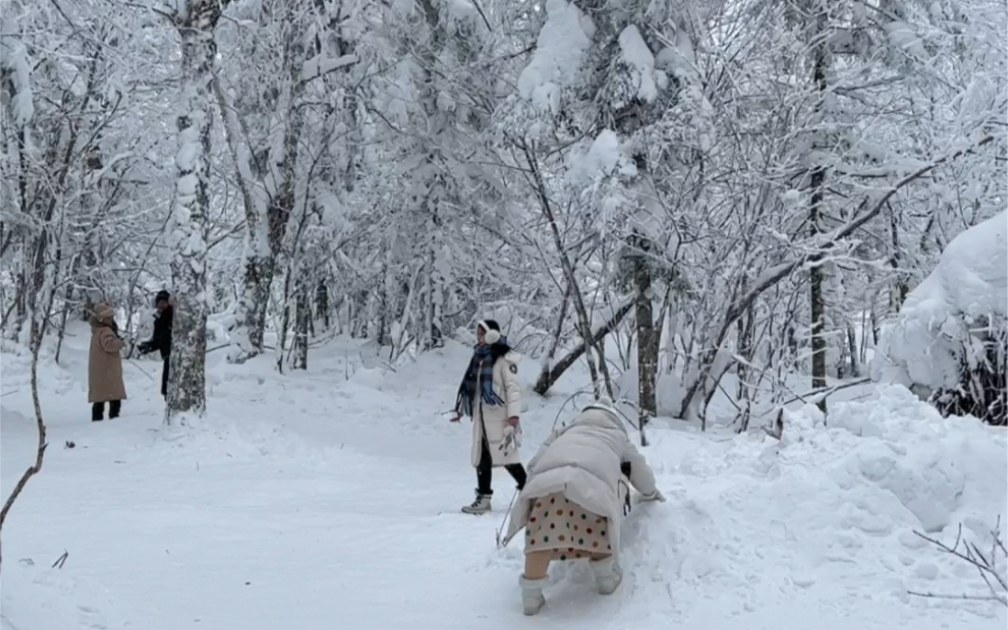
[(828, 514), (932, 472), (953, 316)]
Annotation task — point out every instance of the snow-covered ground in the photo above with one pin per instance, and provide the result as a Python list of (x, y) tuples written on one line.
[(330, 499)]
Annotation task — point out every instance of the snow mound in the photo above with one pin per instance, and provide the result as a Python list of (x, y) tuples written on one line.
[(839, 504), (911, 465), (924, 347)]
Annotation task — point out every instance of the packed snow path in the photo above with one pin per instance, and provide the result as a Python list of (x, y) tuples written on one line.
[(330, 499)]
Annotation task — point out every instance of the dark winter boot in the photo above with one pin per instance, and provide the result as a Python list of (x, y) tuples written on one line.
[(114, 408), (480, 506), (97, 412)]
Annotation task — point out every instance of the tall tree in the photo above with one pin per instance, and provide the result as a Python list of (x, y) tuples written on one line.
[(189, 225)]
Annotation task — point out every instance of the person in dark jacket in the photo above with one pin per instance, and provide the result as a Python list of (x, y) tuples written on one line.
[(162, 337)]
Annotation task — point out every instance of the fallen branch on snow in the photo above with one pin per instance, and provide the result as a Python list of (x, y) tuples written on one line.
[(993, 574), (809, 398), (820, 393)]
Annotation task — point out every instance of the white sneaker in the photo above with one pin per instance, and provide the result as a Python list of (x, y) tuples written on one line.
[(480, 506), (532, 595), (608, 575)]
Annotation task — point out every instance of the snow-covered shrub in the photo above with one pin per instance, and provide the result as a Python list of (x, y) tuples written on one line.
[(981, 388), (949, 342)]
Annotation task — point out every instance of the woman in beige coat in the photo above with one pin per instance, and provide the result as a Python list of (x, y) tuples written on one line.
[(573, 502), (491, 395), (105, 373)]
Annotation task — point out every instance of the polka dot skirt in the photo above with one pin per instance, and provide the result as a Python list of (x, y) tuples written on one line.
[(565, 528)]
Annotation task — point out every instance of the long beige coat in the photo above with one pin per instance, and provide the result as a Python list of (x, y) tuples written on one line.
[(583, 461), (494, 418), (105, 373)]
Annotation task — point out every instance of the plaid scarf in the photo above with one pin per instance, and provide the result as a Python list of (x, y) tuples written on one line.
[(481, 366)]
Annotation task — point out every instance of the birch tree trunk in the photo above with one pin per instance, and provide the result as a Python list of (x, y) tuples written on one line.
[(302, 320), (265, 233), (250, 321), (189, 224)]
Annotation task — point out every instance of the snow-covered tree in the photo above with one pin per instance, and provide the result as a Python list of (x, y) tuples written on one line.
[(188, 228)]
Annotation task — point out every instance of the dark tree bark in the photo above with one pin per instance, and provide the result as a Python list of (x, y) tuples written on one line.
[(818, 184)]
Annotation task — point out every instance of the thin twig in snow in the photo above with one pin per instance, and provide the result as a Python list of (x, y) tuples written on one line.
[(986, 565), (61, 560)]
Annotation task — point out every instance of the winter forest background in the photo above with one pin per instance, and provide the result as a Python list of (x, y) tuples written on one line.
[(774, 231), (743, 187)]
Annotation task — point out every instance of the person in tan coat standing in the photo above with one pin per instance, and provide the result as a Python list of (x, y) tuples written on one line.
[(491, 395), (571, 507), (105, 372)]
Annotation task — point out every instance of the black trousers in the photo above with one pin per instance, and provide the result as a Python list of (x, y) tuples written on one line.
[(98, 410), (484, 472), (164, 378)]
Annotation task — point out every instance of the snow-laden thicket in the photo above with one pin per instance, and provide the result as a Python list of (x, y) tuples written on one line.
[(950, 340)]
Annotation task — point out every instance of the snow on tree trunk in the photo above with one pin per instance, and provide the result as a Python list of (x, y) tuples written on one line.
[(433, 281), (647, 345), (266, 224), (899, 289), (302, 320), (852, 343), (189, 225), (250, 314), (816, 210), (323, 311)]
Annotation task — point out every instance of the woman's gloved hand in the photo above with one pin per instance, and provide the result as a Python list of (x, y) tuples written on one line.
[(655, 496), (512, 440)]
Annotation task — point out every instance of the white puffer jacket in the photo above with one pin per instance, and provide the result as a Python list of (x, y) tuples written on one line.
[(494, 418), (583, 461)]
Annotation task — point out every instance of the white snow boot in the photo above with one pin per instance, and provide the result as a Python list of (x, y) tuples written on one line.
[(480, 506), (532, 595), (608, 575)]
